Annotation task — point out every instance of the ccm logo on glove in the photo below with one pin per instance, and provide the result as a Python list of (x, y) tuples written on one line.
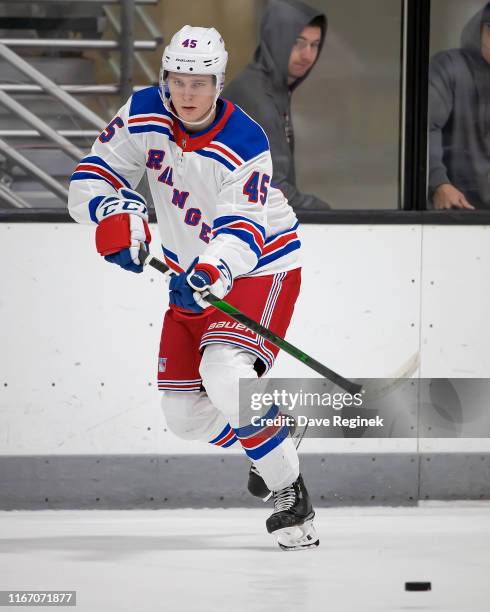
[(123, 226)]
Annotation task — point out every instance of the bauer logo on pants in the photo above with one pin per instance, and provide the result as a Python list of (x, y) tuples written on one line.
[(162, 364), (230, 325)]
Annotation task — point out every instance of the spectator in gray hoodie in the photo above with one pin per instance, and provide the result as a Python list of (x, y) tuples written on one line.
[(459, 120), (291, 39)]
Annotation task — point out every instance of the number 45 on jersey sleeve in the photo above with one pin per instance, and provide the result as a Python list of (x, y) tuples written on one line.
[(256, 184)]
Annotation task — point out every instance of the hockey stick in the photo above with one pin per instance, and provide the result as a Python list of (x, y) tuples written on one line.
[(375, 389), (231, 311)]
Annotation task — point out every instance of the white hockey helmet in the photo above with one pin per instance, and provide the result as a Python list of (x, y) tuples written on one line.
[(194, 50)]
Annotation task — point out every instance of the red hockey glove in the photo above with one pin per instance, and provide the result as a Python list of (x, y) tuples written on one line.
[(123, 226)]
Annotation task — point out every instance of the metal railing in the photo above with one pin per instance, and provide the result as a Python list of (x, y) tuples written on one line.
[(91, 134), (32, 169), (41, 126), (152, 30), (49, 86), (80, 1), (23, 88), (59, 43), (128, 49)]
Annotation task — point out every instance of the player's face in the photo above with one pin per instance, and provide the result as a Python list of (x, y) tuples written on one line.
[(485, 42), (304, 51), (192, 95)]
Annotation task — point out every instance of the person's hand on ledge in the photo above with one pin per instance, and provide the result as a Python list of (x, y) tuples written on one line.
[(447, 197)]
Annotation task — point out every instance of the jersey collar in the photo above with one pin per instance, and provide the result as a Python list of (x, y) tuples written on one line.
[(198, 140)]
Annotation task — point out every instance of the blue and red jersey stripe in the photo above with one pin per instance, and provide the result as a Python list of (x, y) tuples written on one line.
[(94, 167), (245, 229)]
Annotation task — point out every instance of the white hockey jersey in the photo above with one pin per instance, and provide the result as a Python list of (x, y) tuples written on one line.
[(211, 190)]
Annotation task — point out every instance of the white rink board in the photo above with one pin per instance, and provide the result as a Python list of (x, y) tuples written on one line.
[(455, 327), (455, 330), (80, 337), (358, 310)]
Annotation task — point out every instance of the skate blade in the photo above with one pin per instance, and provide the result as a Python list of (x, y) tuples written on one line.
[(299, 537)]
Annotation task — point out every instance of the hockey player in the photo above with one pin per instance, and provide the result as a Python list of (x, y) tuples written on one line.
[(224, 228)]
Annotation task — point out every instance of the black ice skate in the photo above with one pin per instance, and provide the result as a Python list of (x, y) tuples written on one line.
[(256, 484), (292, 519)]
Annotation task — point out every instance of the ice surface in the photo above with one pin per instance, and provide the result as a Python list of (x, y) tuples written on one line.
[(213, 560)]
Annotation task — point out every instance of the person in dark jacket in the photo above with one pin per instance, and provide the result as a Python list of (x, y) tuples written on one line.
[(459, 120), (291, 39)]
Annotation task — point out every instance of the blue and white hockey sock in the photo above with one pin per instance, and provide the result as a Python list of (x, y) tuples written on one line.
[(271, 449)]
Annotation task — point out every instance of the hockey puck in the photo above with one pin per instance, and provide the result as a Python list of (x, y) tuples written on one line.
[(418, 586)]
